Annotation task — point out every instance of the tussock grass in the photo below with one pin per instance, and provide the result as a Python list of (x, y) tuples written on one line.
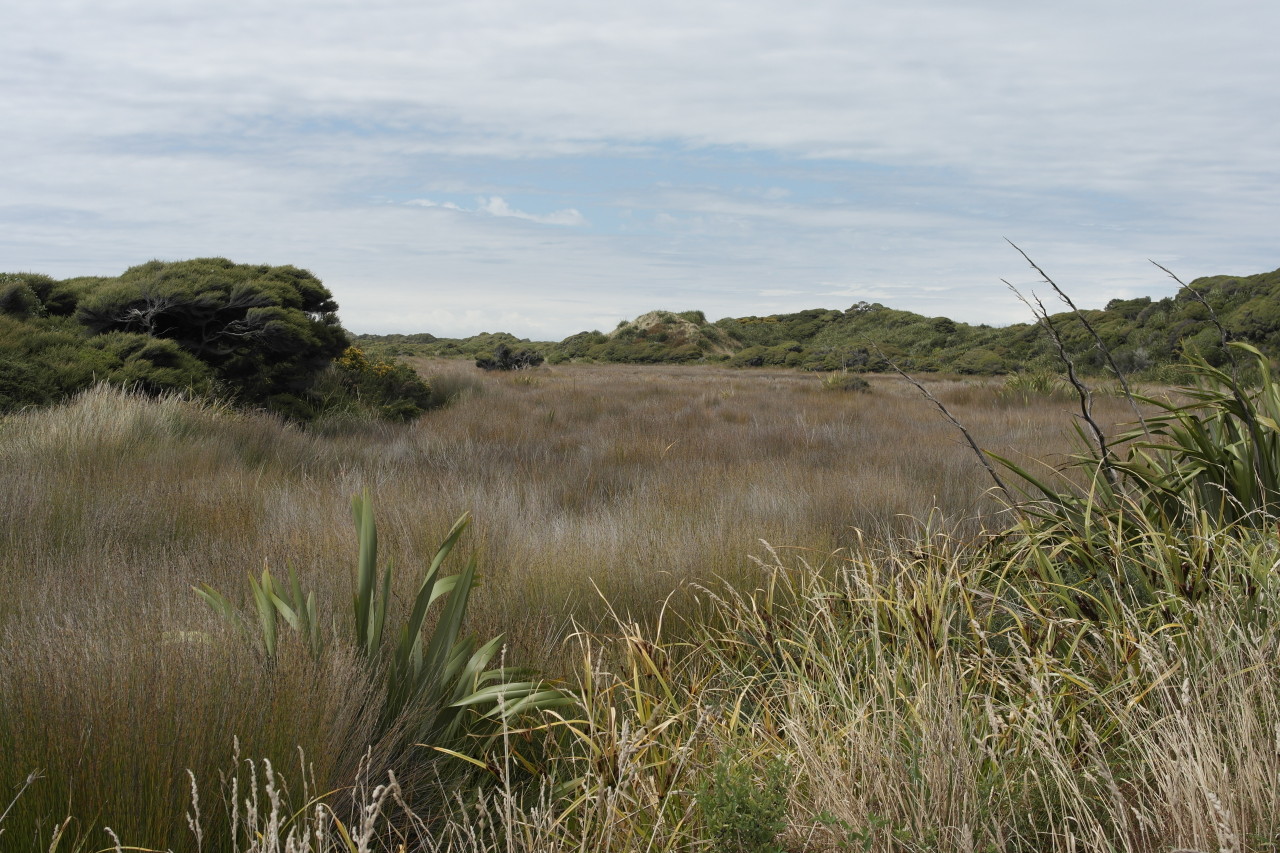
[(918, 700), (635, 481), (632, 478)]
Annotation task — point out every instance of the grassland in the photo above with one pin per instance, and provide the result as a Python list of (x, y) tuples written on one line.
[(877, 677)]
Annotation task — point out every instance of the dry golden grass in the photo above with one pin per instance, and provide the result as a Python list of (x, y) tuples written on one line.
[(632, 479), (638, 481)]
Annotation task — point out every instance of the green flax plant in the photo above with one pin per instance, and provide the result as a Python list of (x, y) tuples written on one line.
[(1220, 452), (1115, 529), (441, 690)]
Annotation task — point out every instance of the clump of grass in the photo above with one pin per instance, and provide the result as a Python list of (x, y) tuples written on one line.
[(137, 708), (1034, 385), (845, 382), (906, 695), (450, 384)]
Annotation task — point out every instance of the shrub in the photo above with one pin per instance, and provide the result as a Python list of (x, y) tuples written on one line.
[(267, 332), (505, 358), (153, 365), (743, 812), (750, 357), (845, 382), (18, 300), (392, 389), (979, 361)]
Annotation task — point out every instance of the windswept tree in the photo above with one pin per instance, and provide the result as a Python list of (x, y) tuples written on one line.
[(265, 332)]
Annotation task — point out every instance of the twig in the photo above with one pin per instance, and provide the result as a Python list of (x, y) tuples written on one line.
[(1097, 339), (1213, 316), (1082, 390)]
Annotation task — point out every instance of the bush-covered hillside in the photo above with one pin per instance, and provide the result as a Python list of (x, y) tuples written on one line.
[(1142, 336)]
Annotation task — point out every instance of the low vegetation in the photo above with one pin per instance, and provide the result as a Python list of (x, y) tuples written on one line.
[(200, 651), (505, 358), (1059, 678), (1148, 337)]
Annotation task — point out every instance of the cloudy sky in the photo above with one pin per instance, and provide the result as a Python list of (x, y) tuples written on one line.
[(549, 166)]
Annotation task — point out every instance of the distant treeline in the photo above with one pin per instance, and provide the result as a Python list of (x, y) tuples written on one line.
[(253, 335), (269, 337), (1143, 336)]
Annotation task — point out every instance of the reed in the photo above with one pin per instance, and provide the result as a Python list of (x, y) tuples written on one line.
[(598, 492), (902, 697)]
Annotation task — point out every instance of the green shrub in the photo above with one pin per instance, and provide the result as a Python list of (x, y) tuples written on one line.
[(750, 357), (504, 357), (17, 299), (979, 361), (266, 332), (390, 388), (845, 382), (152, 365), (745, 810), (45, 359)]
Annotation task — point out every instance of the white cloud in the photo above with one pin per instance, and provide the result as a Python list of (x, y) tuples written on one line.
[(761, 147), (426, 202), (496, 206)]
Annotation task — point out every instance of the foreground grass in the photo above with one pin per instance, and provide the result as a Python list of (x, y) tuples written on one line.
[(906, 700), (907, 697)]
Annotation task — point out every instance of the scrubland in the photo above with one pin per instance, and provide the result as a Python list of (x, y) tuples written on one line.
[(905, 665)]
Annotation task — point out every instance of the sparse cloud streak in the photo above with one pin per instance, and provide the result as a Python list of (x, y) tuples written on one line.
[(497, 206)]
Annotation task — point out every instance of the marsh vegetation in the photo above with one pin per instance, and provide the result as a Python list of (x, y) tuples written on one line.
[(790, 619)]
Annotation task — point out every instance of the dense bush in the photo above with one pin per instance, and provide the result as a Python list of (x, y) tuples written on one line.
[(265, 332), (17, 299), (1141, 335), (504, 357), (392, 389), (261, 336)]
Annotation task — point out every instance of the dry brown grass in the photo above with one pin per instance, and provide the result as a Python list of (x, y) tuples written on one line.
[(638, 481), (634, 479)]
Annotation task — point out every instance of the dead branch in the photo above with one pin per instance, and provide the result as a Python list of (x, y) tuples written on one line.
[(1097, 339), (1083, 392)]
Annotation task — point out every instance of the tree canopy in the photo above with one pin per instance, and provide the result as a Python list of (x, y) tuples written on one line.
[(265, 332), (262, 336)]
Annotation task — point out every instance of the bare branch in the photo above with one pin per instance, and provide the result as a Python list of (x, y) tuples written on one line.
[(1082, 391), (1213, 315), (1097, 339)]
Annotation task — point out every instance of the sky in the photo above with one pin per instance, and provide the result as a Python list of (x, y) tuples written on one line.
[(545, 167)]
